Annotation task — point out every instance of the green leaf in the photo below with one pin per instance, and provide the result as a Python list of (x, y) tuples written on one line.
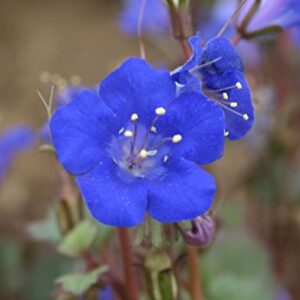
[(79, 239), (157, 234), (79, 283), (45, 230), (229, 287)]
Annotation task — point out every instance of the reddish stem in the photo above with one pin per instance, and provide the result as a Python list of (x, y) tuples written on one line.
[(236, 39), (130, 279), (194, 273), (181, 27)]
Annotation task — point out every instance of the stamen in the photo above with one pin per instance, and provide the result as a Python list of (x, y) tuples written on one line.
[(128, 133), (153, 129), (166, 158), (233, 104), (121, 130), (143, 153), (152, 152), (75, 80), (238, 85), (245, 117), (225, 96), (160, 111), (199, 67), (134, 117), (176, 138), (226, 133)]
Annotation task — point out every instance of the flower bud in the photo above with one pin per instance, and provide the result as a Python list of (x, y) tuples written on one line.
[(201, 232)]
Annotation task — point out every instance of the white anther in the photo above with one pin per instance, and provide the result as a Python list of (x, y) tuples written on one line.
[(238, 85), (152, 152), (128, 133), (45, 77), (143, 153), (176, 138), (226, 133), (225, 96), (121, 130), (160, 111), (153, 129), (134, 117), (55, 77), (166, 158), (75, 80), (245, 117), (233, 104)]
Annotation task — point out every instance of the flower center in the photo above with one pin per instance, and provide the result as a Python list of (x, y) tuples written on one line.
[(140, 150)]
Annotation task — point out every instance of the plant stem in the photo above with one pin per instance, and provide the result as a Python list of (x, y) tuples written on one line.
[(236, 39), (194, 273), (130, 280), (180, 20)]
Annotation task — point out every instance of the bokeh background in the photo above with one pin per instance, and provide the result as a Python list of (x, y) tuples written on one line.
[(256, 252)]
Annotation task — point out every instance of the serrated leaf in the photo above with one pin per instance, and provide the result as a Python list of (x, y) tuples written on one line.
[(79, 239), (79, 283), (45, 230)]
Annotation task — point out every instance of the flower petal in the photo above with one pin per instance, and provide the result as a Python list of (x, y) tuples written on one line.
[(185, 193), (239, 123), (80, 131), (111, 198), (136, 87), (229, 59), (200, 122)]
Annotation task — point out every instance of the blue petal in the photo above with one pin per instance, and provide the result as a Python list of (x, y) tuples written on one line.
[(201, 124), (195, 43), (235, 124), (111, 199), (105, 294), (228, 58), (186, 192), (13, 141), (135, 87), (182, 74), (80, 131)]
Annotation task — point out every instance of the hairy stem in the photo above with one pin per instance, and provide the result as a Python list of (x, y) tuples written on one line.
[(130, 279)]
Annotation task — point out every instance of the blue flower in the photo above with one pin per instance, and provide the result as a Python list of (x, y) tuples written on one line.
[(135, 147), (219, 70), (155, 19), (106, 294), (282, 13), (12, 142)]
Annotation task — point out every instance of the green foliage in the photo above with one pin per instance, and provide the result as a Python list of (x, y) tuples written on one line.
[(79, 239), (45, 230), (79, 283), (230, 287), (103, 234), (39, 280), (10, 266), (237, 267)]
